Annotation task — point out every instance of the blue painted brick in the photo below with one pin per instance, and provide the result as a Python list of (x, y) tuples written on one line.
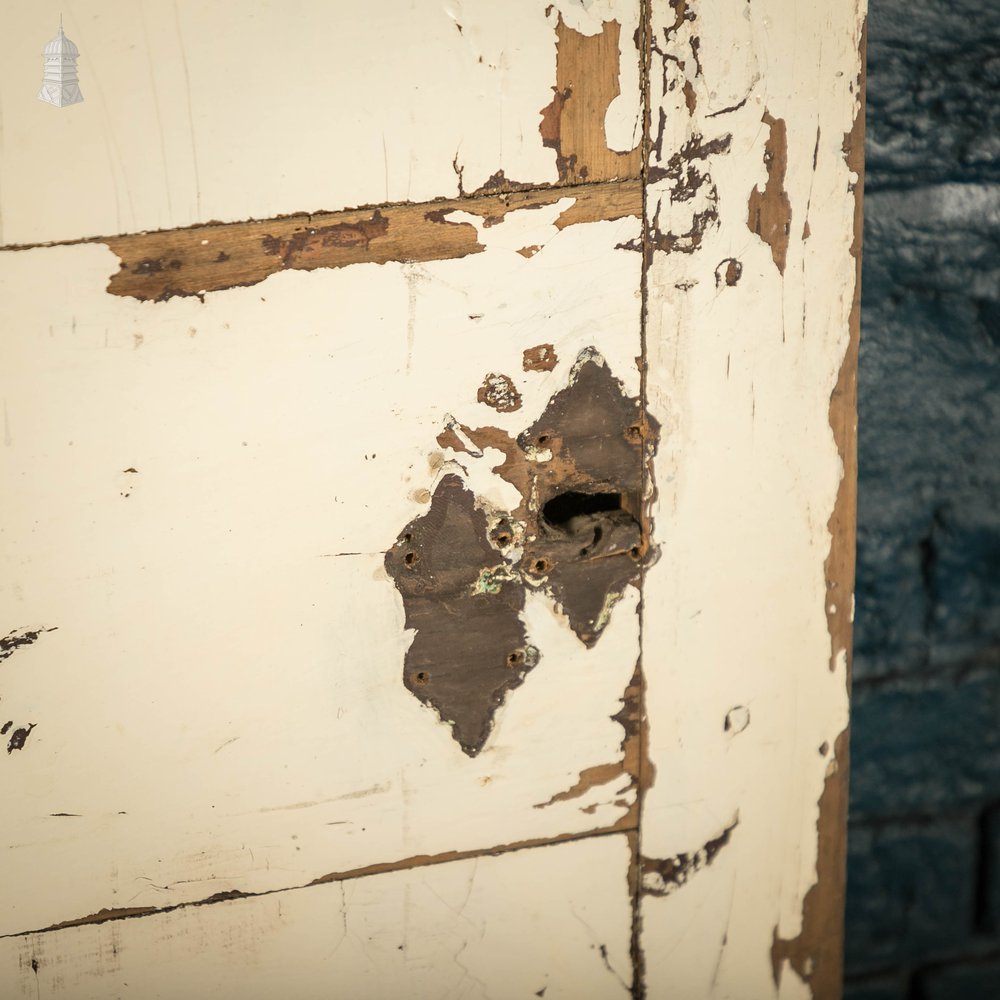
[(968, 981), (928, 590), (910, 892), (931, 71), (920, 745), (991, 875), (882, 988)]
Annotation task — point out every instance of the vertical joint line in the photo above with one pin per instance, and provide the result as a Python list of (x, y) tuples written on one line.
[(645, 59)]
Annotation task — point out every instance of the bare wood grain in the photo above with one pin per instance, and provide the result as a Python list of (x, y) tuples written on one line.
[(573, 124), (160, 265)]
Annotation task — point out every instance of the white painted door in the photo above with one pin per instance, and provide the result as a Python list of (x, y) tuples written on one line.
[(427, 498)]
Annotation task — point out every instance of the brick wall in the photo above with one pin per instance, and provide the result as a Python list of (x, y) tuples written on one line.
[(923, 907)]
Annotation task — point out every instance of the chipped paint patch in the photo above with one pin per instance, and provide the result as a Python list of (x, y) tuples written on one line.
[(769, 212), (688, 207), (19, 737), (591, 777), (499, 392), (662, 876), (18, 639), (541, 358)]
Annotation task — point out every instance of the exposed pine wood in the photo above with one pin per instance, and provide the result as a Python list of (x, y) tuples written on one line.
[(204, 259), (587, 82)]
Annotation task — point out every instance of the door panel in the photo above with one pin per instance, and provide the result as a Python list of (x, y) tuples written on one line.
[(200, 500)]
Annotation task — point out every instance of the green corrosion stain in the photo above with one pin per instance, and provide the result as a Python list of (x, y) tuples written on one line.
[(491, 580), (605, 616)]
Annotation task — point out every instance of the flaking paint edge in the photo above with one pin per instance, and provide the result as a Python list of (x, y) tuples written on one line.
[(816, 953)]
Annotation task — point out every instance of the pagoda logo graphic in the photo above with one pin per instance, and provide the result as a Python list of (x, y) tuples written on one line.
[(60, 85)]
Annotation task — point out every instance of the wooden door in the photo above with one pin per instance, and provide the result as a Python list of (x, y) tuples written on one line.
[(427, 498)]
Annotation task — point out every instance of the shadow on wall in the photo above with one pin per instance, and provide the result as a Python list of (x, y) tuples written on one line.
[(923, 906)]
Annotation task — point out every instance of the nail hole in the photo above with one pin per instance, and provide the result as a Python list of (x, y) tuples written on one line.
[(407, 537), (634, 433), (515, 658), (540, 566), (411, 559), (635, 552), (503, 540), (421, 677), (542, 438)]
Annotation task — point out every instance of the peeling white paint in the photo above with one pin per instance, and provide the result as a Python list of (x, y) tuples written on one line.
[(741, 377), (558, 917), (223, 610), (238, 591), (199, 111)]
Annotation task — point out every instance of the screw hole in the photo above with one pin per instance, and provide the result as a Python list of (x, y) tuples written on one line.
[(411, 559)]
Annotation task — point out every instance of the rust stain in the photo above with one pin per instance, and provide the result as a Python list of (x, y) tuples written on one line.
[(541, 358), (769, 212), (572, 125), (499, 392), (662, 876), (157, 266)]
